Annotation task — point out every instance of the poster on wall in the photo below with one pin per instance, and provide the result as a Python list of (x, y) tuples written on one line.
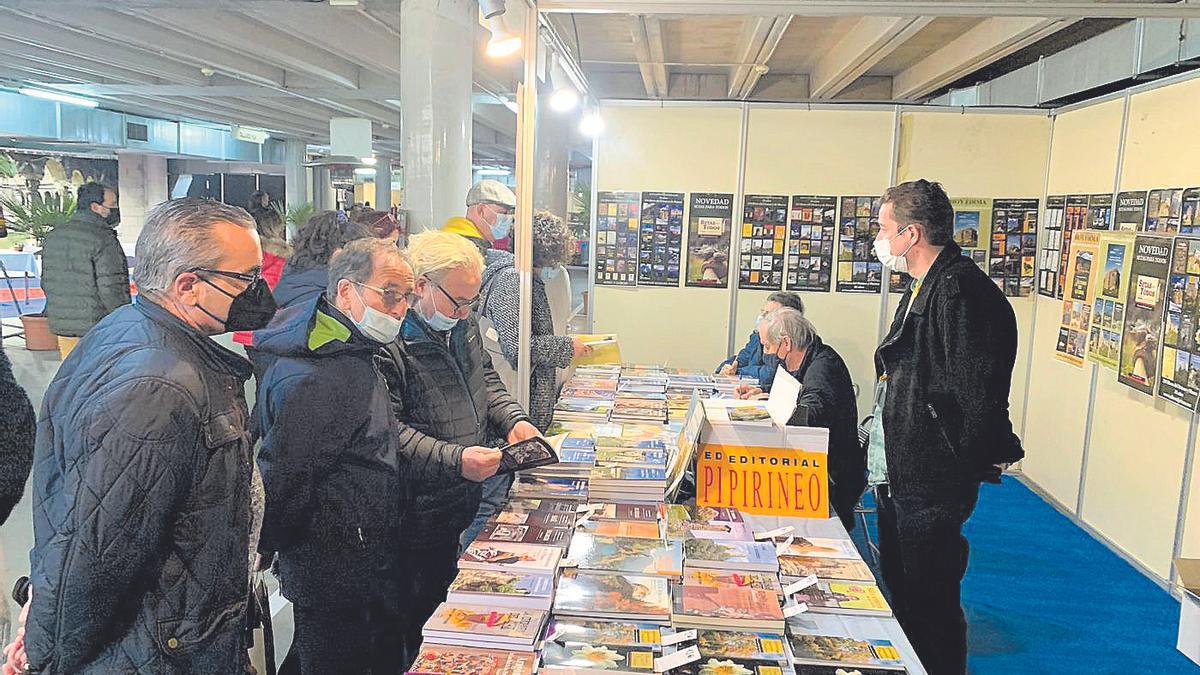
[(661, 234), (1179, 369), (859, 271), (764, 229), (1131, 211), (710, 220), (1072, 343), (810, 246), (1144, 304), (1163, 211), (1074, 218), (1100, 212), (1189, 221), (617, 222), (972, 225), (1048, 259), (1109, 286), (1014, 245)]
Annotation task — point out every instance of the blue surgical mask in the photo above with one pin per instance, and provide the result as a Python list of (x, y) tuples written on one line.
[(502, 226), (441, 322), (376, 325)]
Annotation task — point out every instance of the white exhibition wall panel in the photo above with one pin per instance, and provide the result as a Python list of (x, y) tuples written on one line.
[(993, 155), (1191, 532), (791, 151), (679, 149), (1083, 159)]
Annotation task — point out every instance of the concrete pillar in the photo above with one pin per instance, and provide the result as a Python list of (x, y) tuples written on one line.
[(294, 173), (552, 157), (436, 65), (383, 185), (323, 198), (142, 184)]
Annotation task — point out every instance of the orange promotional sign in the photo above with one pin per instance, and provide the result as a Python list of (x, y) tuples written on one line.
[(763, 481)]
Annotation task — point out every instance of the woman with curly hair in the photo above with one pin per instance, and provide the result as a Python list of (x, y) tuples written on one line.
[(306, 274)]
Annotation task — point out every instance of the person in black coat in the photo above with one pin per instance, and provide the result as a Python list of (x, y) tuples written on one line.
[(331, 467), (826, 400), (16, 438), (941, 423)]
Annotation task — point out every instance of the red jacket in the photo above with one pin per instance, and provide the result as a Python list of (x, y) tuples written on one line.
[(272, 269)]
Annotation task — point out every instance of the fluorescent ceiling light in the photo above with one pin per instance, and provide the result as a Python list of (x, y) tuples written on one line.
[(564, 98), (501, 171), (60, 98), (503, 41), (591, 124), (369, 161), (364, 171)]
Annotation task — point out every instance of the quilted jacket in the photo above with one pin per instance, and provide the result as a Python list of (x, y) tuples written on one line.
[(446, 397), (329, 460), (141, 504), (84, 273)]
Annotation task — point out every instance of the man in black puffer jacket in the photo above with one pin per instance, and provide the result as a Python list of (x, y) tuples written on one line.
[(331, 467), (449, 403), (16, 438), (141, 480)]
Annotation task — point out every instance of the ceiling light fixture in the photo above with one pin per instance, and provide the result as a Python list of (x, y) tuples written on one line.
[(565, 98), (369, 161), (58, 97), (591, 124), (492, 8), (503, 42), (364, 171)]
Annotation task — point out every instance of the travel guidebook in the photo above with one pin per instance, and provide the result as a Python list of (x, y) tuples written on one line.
[(742, 645), (1077, 298), (622, 528), (734, 608), (627, 597), (849, 569), (483, 625), (710, 665), (1144, 306), (505, 555), (447, 660), (526, 534), (818, 547), (762, 581), (844, 596), (626, 554), (572, 657), (710, 220), (543, 518), (529, 454), (730, 555), (608, 632), (554, 488), (501, 588), (1110, 285), (844, 651)]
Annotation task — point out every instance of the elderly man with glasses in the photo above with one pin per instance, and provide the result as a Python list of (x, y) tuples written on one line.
[(453, 411)]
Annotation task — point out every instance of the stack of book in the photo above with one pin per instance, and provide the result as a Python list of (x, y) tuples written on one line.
[(542, 487), (577, 647), (635, 555), (583, 409), (729, 585), (496, 556), (438, 660), (727, 608), (823, 644), (613, 596), (740, 652), (484, 627), (630, 484), (845, 583), (725, 386), (706, 522), (502, 588), (624, 519)]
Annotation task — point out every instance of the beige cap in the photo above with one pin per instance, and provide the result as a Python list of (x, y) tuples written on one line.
[(491, 191)]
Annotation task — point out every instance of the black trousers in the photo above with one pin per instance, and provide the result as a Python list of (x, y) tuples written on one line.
[(430, 571), (923, 557), (350, 641)]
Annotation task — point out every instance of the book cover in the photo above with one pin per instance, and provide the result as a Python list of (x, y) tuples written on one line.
[(742, 645), (626, 474), (607, 632), (542, 518), (630, 511), (528, 454), (623, 528), (510, 555), (711, 665), (521, 625), (810, 669), (822, 548), (587, 658), (537, 486), (825, 568), (718, 530), (526, 534), (738, 604), (439, 660), (612, 595), (489, 582), (720, 579), (626, 554), (577, 456), (747, 555), (554, 505), (638, 457), (844, 596), (722, 514), (831, 649), (749, 413)]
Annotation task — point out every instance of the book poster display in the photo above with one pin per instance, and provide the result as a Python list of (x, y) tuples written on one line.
[(1164, 209), (1051, 248), (1131, 211), (859, 271), (1100, 212), (1074, 218), (1179, 372), (764, 229), (1014, 245), (661, 234), (972, 222), (710, 219), (1077, 300), (1189, 221), (810, 247), (1110, 284), (617, 223), (1144, 305)]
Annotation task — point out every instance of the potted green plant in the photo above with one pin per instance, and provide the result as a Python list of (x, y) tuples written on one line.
[(36, 218), (295, 216)]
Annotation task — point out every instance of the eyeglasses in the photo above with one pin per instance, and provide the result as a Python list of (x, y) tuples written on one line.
[(469, 305), (391, 297), (240, 276)]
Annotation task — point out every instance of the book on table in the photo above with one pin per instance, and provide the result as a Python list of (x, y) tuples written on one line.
[(573, 657), (540, 518), (754, 556), (727, 608), (629, 511), (525, 505), (549, 487), (846, 652), (622, 528), (530, 453), (809, 669), (742, 645), (818, 547), (447, 660), (763, 581), (845, 569), (512, 556), (712, 665), (526, 534), (858, 597), (613, 595), (626, 554), (608, 632), (502, 588), (486, 627)]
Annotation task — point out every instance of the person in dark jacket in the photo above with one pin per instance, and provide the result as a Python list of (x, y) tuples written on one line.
[(16, 438), (141, 478), (306, 274), (749, 360), (452, 410), (941, 423), (826, 400), (331, 466), (84, 271)]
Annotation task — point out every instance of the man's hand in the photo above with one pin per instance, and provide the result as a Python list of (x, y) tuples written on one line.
[(479, 463), (747, 391), (522, 431), (15, 661), (579, 348), (729, 368)]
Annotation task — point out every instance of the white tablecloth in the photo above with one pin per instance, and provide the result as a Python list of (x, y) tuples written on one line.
[(20, 263)]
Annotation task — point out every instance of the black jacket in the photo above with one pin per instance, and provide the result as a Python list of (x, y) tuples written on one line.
[(297, 286), (17, 426), (329, 460), (141, 506), (446, 397), (827, 400), (84, 273), (949, 369)]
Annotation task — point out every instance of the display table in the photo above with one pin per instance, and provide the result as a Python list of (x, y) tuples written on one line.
[(22, 265)]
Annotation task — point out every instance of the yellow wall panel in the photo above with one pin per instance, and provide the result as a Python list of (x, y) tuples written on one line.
[(1083, 157), (976, 154), (1163, 140), (1191, 533)]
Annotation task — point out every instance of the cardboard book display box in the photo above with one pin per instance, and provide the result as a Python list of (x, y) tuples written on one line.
[(1189, 612)]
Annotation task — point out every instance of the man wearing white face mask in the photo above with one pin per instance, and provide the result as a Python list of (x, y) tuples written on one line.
[(941, 423), (335, 481), (489, 218)]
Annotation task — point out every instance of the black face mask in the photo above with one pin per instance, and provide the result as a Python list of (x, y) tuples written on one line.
[(114, 216), (251, 309)]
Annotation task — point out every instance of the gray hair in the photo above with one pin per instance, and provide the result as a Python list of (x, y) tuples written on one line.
[(552, 241), (356, 262), (177, 237), (786, 321)]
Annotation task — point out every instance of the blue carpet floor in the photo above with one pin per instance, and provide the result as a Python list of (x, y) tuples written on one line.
[(1043, 596)]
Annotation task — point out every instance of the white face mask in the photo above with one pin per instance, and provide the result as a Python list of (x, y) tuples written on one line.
[(883, 251), (376, 325)]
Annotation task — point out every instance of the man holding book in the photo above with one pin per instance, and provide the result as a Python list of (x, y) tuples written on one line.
[(941, 423)]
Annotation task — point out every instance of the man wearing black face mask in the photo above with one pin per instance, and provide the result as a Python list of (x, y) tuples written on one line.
[(142, 467), (84, 272)]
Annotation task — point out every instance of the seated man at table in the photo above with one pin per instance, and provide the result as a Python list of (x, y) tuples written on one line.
[(749, 361), (826, 400)]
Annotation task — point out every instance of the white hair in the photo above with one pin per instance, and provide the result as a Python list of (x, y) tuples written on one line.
[(435, 254), (177, 237), (786, 321)]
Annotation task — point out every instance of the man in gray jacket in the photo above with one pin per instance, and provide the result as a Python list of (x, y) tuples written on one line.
[(84, 271)]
